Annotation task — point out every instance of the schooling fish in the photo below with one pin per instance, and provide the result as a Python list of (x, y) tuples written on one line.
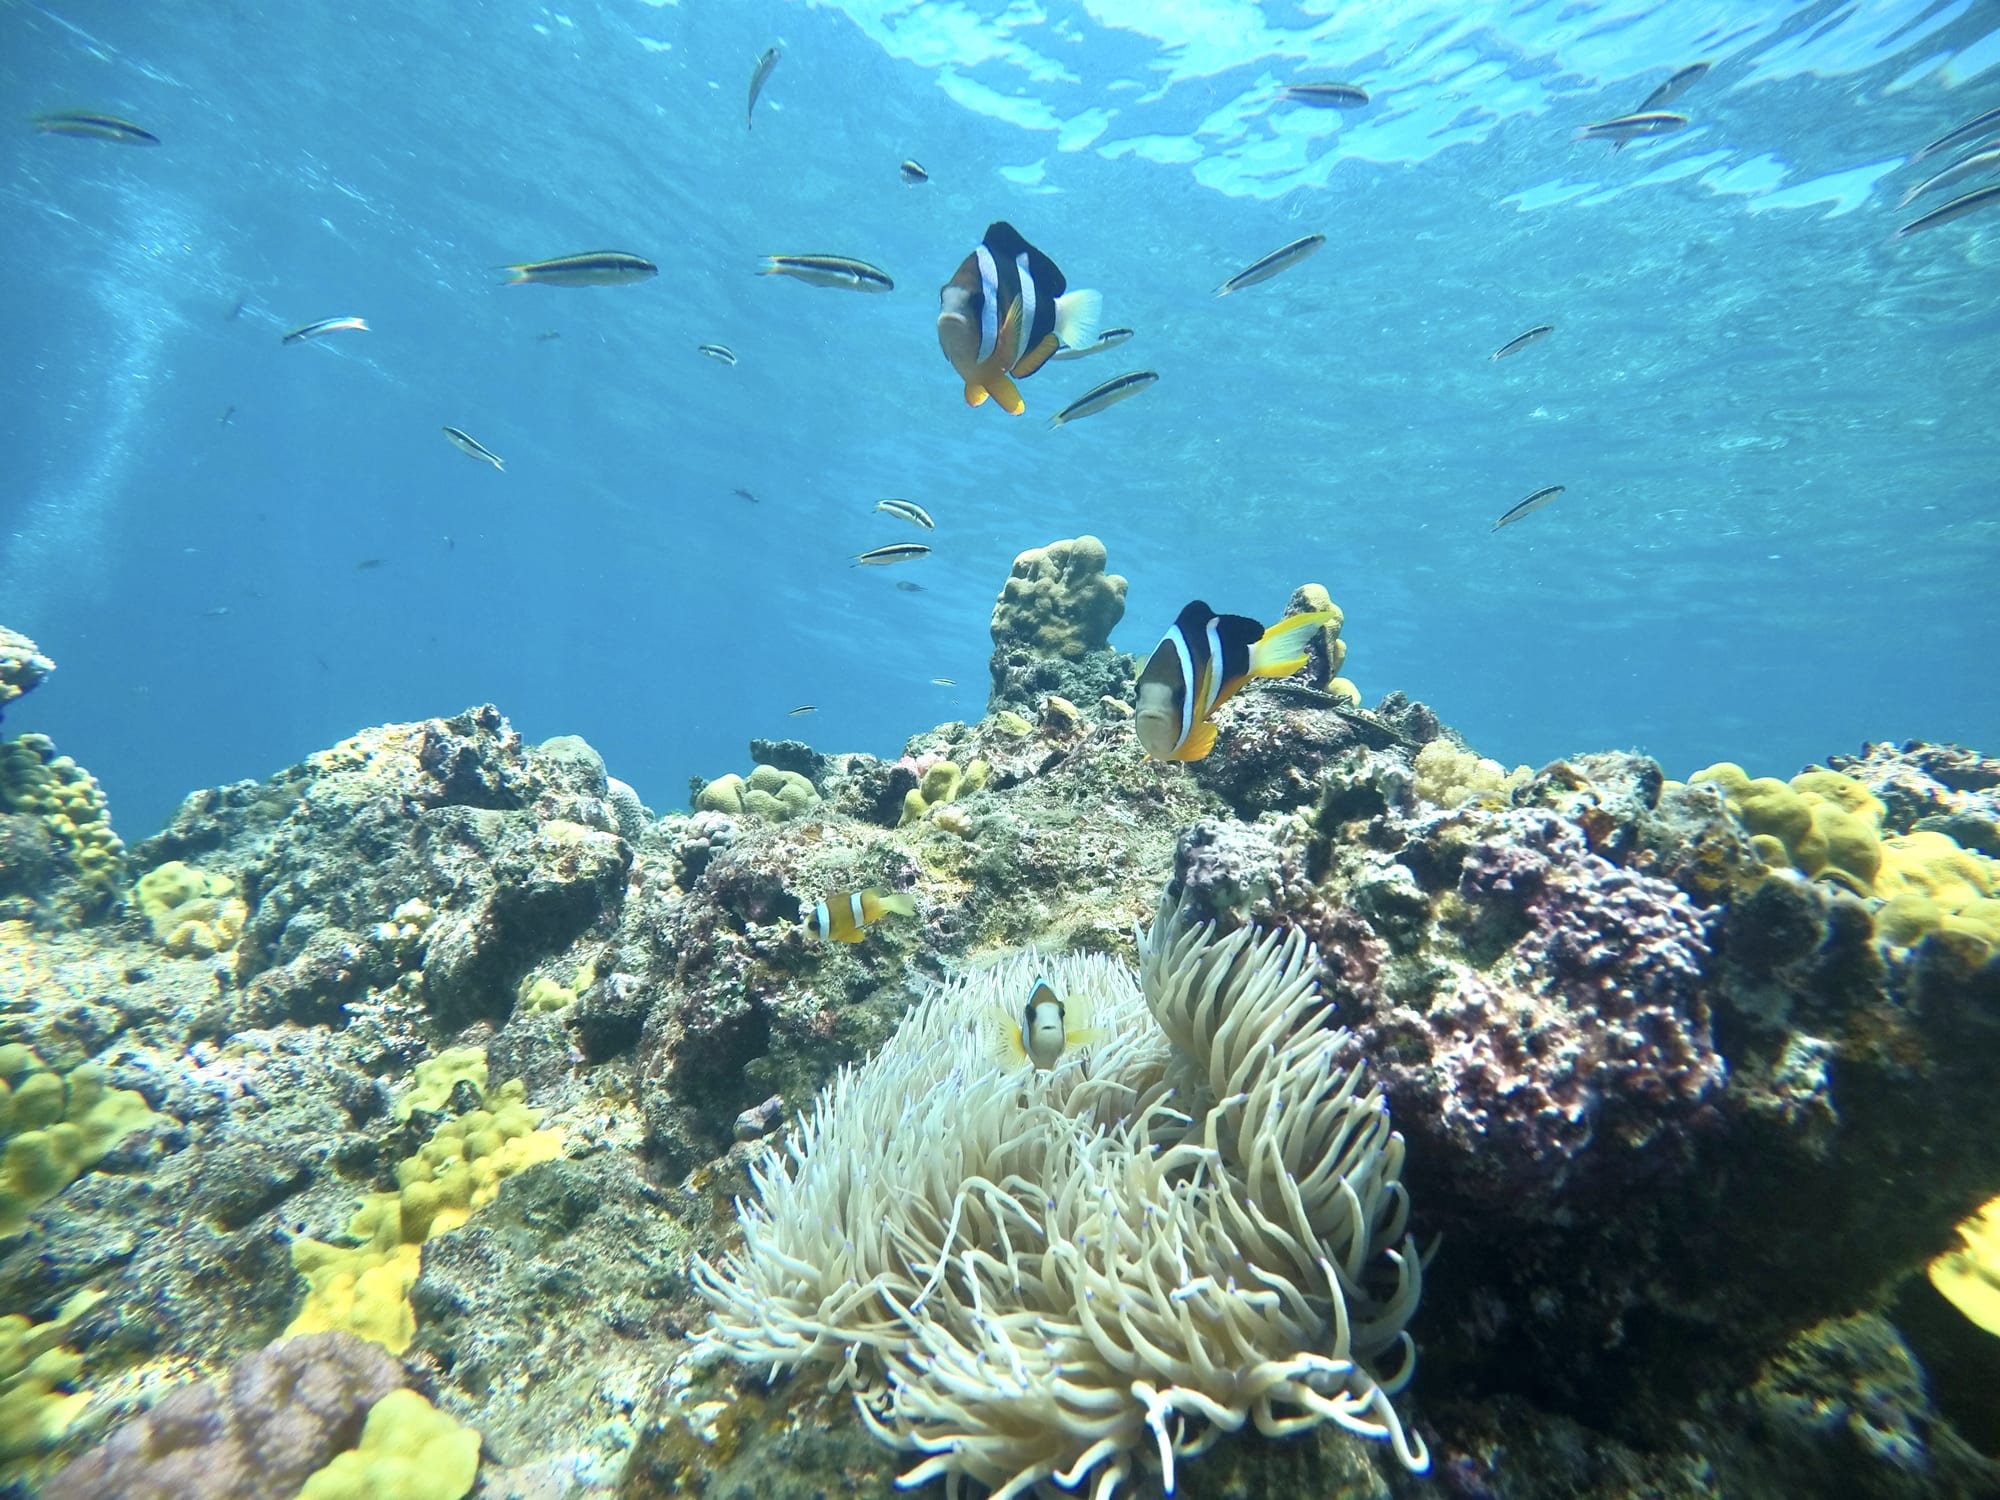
[(322, 328), (1521, 341), (942, 682), (907, 510), (89, 125), (1201, 663), (1978, 198), (1682, 80), (763, 71), (910, 588), (1006, 309), (746, 495), (1278, 260), (803, 708), (1952, 137), (470, 446), (1046, 1027), (1985, 159), (1110, 393), (897, 552), (1326, 95), (1530, 505), (1110, 338), (1641, 126), (843, 916), (591, 268), (913, 174), (720, 353), (838, 271)]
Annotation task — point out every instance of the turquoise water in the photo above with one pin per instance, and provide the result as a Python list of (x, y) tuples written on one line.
[(1775, 424)]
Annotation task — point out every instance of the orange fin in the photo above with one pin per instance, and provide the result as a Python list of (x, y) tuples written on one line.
[(975, 395), (1008, 395), (1200, 740), (1035, 358)]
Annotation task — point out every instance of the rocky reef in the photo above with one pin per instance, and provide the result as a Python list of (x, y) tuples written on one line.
[(444, 1055)]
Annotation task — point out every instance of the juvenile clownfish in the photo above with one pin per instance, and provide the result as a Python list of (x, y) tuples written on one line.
[(842, 917), (1004, 312), (1047, 1027), (1201, 663)]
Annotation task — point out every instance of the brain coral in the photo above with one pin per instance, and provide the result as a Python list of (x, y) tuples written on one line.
[(1059, 601)]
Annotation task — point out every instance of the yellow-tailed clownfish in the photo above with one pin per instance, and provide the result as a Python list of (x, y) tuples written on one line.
[(1046, 1027), (1201, 663), (1004, 312), (843, 916)]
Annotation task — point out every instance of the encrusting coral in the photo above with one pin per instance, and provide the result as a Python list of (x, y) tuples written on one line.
[(766, 792), (1059, 601), (53, 1127), (1190, 1221), (192, 913)]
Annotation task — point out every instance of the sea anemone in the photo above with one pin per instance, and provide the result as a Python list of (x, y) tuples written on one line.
[(1192, 1219)]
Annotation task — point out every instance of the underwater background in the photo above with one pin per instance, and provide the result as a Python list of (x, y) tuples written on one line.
[(1773, 421)]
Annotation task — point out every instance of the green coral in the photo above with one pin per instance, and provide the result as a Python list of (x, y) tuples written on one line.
[(191, 913), (768, 793), (36, 781), (1058, 601), (55, 1128), (943, 783), (541, 992), (364, 1288), (409, 1450), (36, 1407)]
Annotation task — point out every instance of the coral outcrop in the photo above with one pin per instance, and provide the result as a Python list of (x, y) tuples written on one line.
[(1052, 626)]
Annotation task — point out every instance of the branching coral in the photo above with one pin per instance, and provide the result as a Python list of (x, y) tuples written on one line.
[(1032, 1277)]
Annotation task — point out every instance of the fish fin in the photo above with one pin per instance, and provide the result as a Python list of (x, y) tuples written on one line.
[(1008, 395), (1200, 740), (516, 276), (1282, 651), (975, 395), (1077, 315), (1035, 358), (900, 902)]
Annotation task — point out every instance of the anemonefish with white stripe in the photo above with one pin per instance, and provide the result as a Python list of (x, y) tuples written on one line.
[(843, 917), (1199, 666), (1047, 1026), (1004, 312)]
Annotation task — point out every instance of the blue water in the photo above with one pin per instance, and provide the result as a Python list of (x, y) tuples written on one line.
[(1781, 529)]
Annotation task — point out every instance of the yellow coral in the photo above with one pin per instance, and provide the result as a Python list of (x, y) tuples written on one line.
[(943, 783), (409, 1450), (1058, 600), (192, 914), (1449, 777), (70, 804), (54, 1127), (35, 1407)]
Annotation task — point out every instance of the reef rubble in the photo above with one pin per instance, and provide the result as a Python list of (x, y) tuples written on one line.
[(1681, 1120)]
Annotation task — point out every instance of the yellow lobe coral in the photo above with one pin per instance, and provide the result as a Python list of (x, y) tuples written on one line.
[(1828, 825), (1058, 601), (409, 1450), (53, 1128), (943, 783), (192, 913), (1450, 777), (35, 1409)]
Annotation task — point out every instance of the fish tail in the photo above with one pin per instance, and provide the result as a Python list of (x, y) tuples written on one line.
[(1282, 650), (900, 902), (1077, 315), (1008, 395), (516, 276)]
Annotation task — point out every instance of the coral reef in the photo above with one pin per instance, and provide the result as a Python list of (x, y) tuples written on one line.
[(190, 912), (62, 863), (409, 1450), (767, 792), (22, 667), (1051, 627), (55, 1127)]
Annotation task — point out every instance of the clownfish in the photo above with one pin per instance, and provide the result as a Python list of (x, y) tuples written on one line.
[(1004, 312), (842, 918), (1201, 663), (1047, 1026)]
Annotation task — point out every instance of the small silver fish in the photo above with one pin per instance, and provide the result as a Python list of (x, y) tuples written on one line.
[(894, 553), (1110, 338), (1634, 127), (907, 510), (1110, 393), (721, 353), (943, 682), (913, 174), (1681, 81), (1530, 505), (838, 271), (803, 708), (746, 495), (322, 328), (1326, 95), (1977, 125), (467, 444), (1985, 159), (1521, 341), (763, 71), (591, 268), (1282, 259), (1958, 208), (89, 125), (910, 588)]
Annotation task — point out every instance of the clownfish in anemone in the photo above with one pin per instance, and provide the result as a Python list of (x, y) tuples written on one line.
[(1199, 666), (1005, 312), (1046, 1027)]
